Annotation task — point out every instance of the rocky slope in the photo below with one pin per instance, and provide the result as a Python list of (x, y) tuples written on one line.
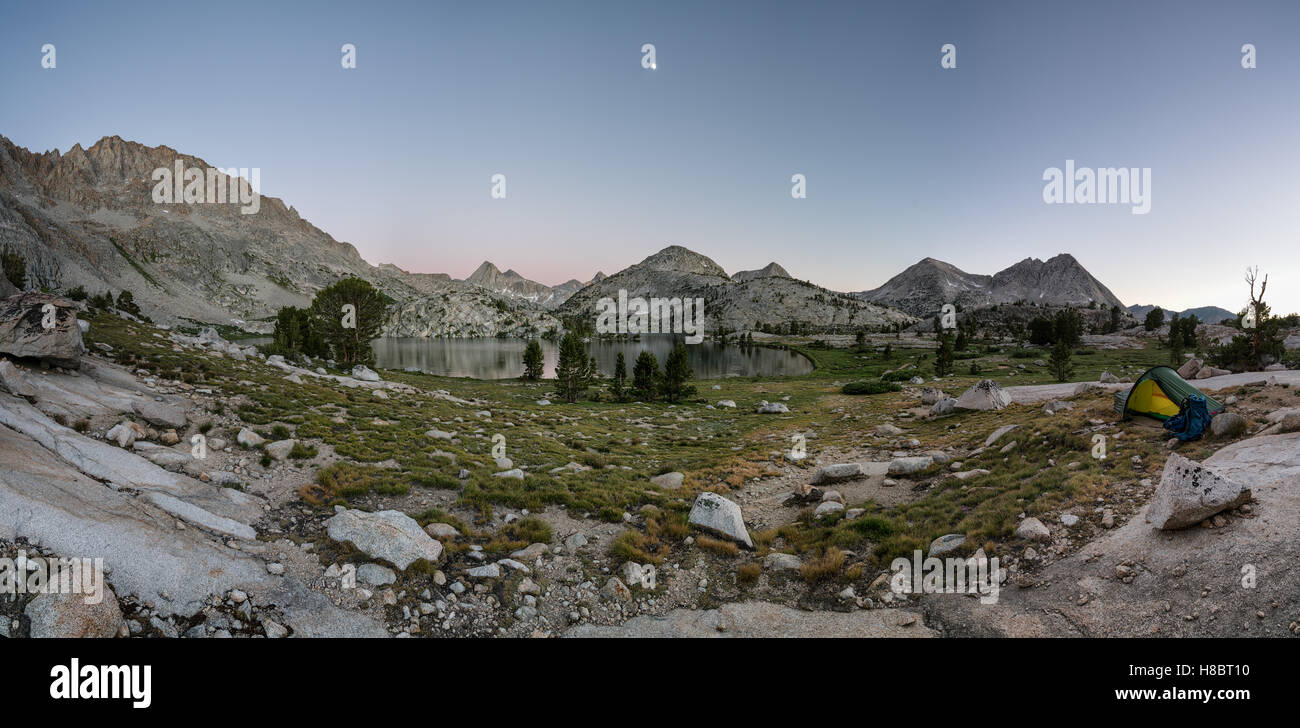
[(730, 304), (924, 287), (87, 218)]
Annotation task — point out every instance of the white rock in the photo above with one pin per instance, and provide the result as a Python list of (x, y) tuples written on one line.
[(1032, 529), (985, 395), (248, 438), (364, 373), (718, 515), (389, 535), (1189, 493)]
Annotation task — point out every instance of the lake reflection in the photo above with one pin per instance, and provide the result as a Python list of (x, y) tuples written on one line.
[(504, 358)]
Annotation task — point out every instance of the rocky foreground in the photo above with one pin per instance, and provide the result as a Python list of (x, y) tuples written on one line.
[(239, 495)]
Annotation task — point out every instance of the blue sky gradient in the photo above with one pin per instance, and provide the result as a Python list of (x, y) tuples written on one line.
[(607, 162)]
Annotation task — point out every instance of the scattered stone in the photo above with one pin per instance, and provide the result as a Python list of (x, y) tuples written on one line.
[(777, 561), (827, 509), (616, 590), (837, 472), (945, 406), (486, 571), (248, 438), (669, 481), (442, 531), (1227, 424), (531, 553), (280, 449), (946, 544), (909, 465), (376, 575), (1032, 529)]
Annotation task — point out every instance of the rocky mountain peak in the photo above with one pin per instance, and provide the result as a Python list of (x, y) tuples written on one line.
[(770, 270), (925, 286), (678, 259)]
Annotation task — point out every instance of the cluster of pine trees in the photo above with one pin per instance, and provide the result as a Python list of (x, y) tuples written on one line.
[(339, 324), (575, 373)]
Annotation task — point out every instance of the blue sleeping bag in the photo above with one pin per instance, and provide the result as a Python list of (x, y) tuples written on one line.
[(1192, 419)]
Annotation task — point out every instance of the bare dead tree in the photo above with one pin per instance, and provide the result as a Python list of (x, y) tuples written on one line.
[(1258, 309)]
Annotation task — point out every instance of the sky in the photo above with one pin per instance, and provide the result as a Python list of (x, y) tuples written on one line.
[(607, 162)]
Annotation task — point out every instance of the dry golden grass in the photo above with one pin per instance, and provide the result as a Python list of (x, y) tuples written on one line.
[(748, 573), (823, 567), (718, 546)]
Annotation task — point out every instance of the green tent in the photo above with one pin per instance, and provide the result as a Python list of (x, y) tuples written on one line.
[(1159, 393)]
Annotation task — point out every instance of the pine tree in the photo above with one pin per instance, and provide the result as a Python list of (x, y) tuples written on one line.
[(619, 386), (349, 343), (943, 357), (1059, 362), (573, 372), (533, 365), (677, 371), (645, 376)]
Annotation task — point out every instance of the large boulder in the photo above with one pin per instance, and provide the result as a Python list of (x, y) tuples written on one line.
[(946, 544), (364, 373), (720, 516), (943, 407), (1032, 529), (68, 615), (23, 333), (772, 408), (1189, 493), (837, 472), (1227, 424), (909, 465), (1190, 367), (389, 535), (986, 395)]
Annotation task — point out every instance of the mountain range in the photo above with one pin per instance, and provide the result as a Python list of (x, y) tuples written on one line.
[(765, 299), (87, 218), (1206, 314), (924, 287), (511, 284)]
